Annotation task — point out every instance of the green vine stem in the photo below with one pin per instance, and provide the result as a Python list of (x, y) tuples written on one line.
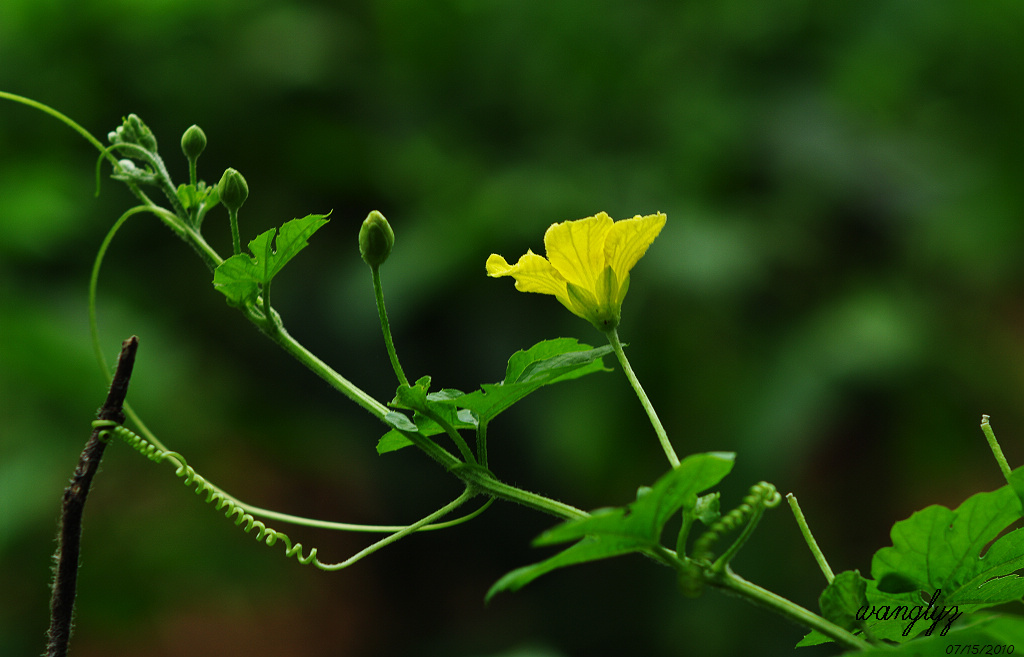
[(613, 338), (730, 582), (478, 479)]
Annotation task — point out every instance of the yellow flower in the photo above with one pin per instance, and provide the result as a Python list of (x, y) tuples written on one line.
[(588, 263)]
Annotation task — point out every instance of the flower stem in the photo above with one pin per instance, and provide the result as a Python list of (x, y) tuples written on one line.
[(385, 326), (819, 556), (236, 242), (613, 338)]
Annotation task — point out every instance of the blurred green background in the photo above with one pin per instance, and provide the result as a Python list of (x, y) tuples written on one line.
[(838, 296)]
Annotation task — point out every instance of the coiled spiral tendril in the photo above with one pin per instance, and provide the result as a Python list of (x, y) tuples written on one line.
[(214, 495), (693, 572), (761, 496)]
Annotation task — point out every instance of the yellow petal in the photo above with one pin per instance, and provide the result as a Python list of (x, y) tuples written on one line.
[(628, 240), (576, 249), (532, 273)]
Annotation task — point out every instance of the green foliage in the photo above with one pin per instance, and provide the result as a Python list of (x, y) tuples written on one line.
[(961, 557), (983, 635), (825, 158), (417, 399), (632, 528), (198, 199), (241, 277), (843, 598), (953, 551), (958, 561), (545, 363)]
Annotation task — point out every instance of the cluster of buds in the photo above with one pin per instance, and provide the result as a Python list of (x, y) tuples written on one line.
[(133, 131)]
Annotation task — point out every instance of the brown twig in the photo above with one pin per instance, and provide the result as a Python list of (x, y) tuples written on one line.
[(69, 541)]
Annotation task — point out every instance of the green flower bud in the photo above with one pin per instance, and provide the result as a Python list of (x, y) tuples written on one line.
[(233, 189), (375, 239), (193, 143), (140, 133)]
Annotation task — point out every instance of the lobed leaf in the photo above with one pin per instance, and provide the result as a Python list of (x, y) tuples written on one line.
[(843, 598), (644, 519), (613, 532), (941, 549), (997, 633), (241, 276), (417, 399), (591, 548), (547, 362)]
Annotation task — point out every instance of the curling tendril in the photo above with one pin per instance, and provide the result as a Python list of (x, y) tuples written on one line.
[(269, 536)]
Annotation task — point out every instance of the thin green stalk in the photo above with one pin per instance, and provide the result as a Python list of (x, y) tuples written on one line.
[(997, 451), (613, 338), (385, 327), (819, 556)]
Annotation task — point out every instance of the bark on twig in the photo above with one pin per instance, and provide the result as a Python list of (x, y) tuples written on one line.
[(69, 541)]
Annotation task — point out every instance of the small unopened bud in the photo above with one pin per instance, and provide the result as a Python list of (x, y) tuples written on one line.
[(140, 132), (233, 189), (193, 143), (375, 239)]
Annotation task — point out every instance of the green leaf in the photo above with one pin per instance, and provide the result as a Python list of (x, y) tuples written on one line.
[(613, 532), (644, 519), (943, 550), (843, 598), (589, 549), (399, 421), (547, 362), (395, 440), (241, 276), (412, 397), (706, 509), (417, 399), (971, 637), (1017, 484), (937, 548)]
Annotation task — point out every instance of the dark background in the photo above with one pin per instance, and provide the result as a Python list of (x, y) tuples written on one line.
[(838, 296)]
